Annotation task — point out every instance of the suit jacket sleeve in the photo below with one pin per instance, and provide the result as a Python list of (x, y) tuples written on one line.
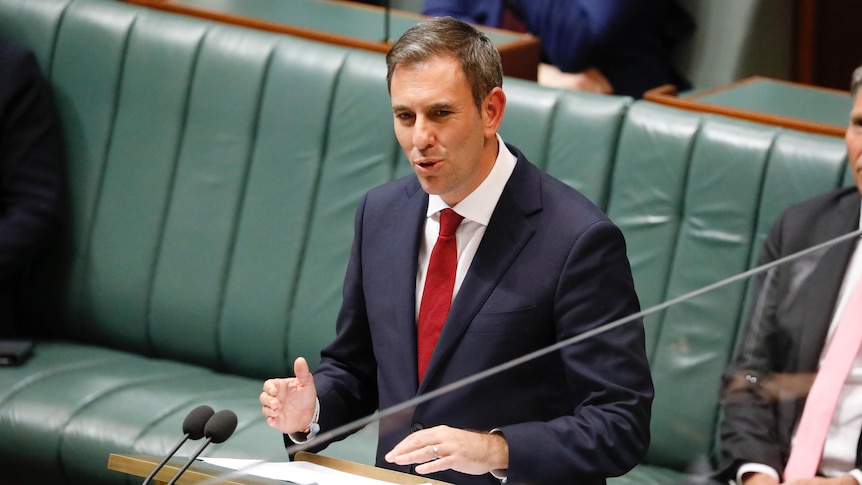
[(749, 428), (31, 161)]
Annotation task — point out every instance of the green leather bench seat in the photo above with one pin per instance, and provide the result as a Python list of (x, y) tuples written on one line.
[(214, 172)]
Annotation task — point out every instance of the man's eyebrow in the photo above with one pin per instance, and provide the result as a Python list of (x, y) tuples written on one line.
[(441, 105)]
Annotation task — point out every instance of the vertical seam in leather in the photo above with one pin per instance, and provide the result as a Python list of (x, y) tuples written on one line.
[(86, 248), (55, 35), (622, 114), (169, 194), (238, 210), (675, 240), (313, 203)]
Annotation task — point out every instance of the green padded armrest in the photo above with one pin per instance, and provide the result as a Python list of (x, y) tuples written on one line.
[(785, 99)]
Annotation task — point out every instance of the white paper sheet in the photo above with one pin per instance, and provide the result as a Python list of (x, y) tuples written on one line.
[(301, 472)]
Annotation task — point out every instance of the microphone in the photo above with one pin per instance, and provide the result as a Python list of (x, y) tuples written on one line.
[(218, 429), (193, 427)]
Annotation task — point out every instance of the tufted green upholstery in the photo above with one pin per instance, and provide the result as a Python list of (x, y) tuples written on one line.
[(214, 174)]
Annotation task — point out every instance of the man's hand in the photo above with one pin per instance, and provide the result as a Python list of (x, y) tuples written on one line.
[(288, 404), (443, 448), (590, 80)]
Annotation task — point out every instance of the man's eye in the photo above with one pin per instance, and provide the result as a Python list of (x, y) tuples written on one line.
[(404, 116), (442, 113)]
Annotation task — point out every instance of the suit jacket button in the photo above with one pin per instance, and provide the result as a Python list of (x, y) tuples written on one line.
[(416, 427)]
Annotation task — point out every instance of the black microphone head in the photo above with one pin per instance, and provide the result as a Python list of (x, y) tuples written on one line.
[(196, 421), (220, 426)]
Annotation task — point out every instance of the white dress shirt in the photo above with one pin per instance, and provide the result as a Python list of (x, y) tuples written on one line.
[(477, 209)]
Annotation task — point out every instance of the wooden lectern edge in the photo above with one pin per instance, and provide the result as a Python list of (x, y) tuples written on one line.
[(367, 471), (142, 465)]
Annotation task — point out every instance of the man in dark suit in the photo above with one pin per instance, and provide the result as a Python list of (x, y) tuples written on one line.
[(796, 307), (31, 173), (537, 264)]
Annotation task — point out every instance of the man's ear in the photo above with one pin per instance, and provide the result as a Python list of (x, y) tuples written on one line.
[(492, 111)]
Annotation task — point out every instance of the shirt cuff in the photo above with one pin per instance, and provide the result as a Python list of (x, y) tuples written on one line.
[(311, 430), (756, 468), (501, 475), (857, 474)]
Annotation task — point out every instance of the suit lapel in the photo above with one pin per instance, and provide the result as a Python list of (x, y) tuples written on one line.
[(508, 231), (402, 246), (825, 282), (823, 285)]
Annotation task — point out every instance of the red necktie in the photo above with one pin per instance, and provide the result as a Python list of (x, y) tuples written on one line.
[(810, 437), (439, 286)]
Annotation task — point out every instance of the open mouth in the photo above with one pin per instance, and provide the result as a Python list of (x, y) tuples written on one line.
[(427, 163)]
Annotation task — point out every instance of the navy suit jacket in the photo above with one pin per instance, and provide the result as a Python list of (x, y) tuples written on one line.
[(787, 329), (550, 266)]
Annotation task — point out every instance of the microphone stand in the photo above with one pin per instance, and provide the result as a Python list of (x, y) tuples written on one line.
[(165, 459)]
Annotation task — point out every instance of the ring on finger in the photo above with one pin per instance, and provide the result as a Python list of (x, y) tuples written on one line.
[(434, 449)]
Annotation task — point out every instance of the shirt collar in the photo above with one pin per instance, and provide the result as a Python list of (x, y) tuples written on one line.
[(479, 205)]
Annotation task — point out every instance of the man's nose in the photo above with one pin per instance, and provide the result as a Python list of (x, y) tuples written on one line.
[(423, 134)]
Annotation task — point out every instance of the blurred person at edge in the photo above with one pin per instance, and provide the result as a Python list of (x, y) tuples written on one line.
[(602, 46), (31, 176)]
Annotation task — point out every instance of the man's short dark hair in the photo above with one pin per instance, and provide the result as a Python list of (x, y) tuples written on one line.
[(856, 81), (446, 36)]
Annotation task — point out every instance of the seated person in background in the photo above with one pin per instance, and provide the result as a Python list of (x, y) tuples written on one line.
[(603, 46), (522, 262), (769, 412), (31, 173)]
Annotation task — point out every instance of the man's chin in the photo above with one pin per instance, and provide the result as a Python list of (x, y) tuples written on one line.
[(428, 186)]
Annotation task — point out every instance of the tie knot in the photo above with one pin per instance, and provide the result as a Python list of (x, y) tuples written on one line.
[(449, 221)]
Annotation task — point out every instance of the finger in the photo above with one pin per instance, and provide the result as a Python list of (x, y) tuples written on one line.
[(301, 371), (265, 400), (409, 455), (270, 386), (438, 465), (418, 440)]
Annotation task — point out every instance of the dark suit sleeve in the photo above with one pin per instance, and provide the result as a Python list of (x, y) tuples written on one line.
[(749, 431), (576, 34), (483, 12), (31, 161), (607, 432)]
